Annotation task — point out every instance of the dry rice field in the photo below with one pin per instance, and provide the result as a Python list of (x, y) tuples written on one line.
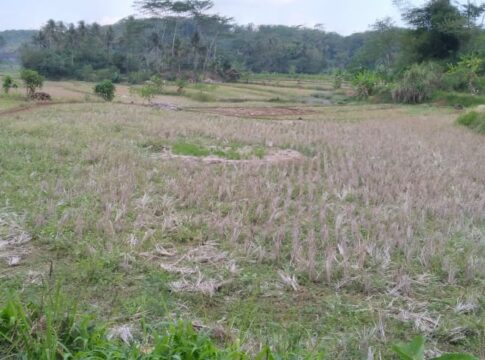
[(374, 232)]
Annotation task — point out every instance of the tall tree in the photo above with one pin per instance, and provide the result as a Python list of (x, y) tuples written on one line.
[(439, 30)]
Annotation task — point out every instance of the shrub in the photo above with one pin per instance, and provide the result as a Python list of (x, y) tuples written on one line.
[(8, 83), (32, 81), (151, 88), (418, 84), (480, 82), (338, 80), (365, 83), (467, 70), (147, 92), (457, 99), (474, 120), (181, 85), (105, 90)]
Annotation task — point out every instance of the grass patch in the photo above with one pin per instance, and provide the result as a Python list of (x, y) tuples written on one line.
[(188, 149), (233, 151), (474, 120)]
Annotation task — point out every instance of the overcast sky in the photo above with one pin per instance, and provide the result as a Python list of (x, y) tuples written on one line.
[(343, 16)]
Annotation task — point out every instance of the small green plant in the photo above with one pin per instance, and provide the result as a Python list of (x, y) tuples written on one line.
[(365, 83), (474, 120), (338, 79), (32, 81), (415, 351), (147, 92), (8, 84), (106, 90)]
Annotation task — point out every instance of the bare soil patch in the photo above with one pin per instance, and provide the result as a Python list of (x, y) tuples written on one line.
[(272, 156), (257, 112)]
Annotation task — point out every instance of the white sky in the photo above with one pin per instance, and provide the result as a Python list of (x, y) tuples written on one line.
[(342, 16)]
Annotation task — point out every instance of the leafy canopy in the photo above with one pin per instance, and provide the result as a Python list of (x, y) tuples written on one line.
[(32, 81)]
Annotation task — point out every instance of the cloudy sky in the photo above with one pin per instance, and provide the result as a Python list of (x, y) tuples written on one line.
[(343, 16)]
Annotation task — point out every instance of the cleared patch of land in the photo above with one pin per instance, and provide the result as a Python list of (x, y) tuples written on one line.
[(375, 234)]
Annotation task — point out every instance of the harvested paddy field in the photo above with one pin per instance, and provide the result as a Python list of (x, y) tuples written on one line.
[(373, 231)]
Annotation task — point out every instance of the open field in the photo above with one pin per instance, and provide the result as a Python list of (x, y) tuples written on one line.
[(293, 223)]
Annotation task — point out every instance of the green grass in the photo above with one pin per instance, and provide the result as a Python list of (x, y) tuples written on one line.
[(188, 149), (230, 152), (474, 120)]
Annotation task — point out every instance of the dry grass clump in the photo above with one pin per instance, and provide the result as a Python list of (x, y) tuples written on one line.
[(13, 238)]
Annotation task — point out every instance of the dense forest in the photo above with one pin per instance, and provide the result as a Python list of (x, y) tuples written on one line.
[(183, 38)]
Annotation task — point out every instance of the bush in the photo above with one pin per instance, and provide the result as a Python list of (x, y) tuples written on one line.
[(475, 120), (181, 85), (418, 84), (8, 83), (105, 90), (457, 99), (32, 81), (151, 88), (365, 83), (467, 70)]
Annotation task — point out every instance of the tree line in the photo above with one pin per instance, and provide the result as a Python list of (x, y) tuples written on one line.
[(184, 38)]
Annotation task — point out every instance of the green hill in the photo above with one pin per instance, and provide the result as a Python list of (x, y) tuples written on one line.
[(12, 41)]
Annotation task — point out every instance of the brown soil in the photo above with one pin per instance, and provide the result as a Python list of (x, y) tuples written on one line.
[(256, 112)]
